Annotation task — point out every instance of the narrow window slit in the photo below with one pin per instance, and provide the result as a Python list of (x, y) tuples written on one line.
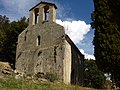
[(25, 36), (38, 40)]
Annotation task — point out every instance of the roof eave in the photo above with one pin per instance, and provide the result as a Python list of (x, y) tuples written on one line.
[(44, 3)]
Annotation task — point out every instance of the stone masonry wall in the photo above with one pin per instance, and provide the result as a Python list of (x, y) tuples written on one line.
[(67, 63), (77, 65), (46, 57)]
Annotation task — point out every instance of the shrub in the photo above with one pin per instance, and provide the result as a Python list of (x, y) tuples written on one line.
[(50, 76)]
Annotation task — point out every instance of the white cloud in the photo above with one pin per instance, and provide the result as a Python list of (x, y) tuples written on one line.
[(75, 29), (87, 56)]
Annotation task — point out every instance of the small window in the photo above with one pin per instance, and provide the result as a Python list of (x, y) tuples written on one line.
[(25, 38), (36, 15), (46, 12), (38, 40), (25, 35), (46, 16)]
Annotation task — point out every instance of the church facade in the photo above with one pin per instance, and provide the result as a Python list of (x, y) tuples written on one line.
[(44, 47)]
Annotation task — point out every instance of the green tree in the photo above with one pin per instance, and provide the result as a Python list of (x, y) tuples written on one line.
[(93, 76), (107, 37), (4, 30), (9, 44)]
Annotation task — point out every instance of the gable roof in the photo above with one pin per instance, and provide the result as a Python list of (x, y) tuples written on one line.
[(44, 3)]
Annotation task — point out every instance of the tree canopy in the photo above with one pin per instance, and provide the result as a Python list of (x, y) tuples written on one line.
[(107, 37), (9, 32), (93, 77)]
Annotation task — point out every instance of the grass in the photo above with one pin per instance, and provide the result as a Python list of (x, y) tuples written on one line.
[(12, 84)]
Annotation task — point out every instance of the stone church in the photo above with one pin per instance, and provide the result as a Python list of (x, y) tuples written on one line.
[(44, 47)]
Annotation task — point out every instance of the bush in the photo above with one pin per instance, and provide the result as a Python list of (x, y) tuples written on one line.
[(50, 76)]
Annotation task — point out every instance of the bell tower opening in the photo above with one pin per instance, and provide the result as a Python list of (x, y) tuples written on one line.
[(36, 15), (41, 12), (46, 13)]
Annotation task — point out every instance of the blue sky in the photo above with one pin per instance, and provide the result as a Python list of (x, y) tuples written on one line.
[(80, 9), (76, 14)]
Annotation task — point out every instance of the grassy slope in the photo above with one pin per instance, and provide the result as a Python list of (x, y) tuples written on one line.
[(12, 84)]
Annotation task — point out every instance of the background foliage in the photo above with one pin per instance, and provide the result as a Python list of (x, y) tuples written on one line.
[(9, 32), (93, 77), (106, 21)]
